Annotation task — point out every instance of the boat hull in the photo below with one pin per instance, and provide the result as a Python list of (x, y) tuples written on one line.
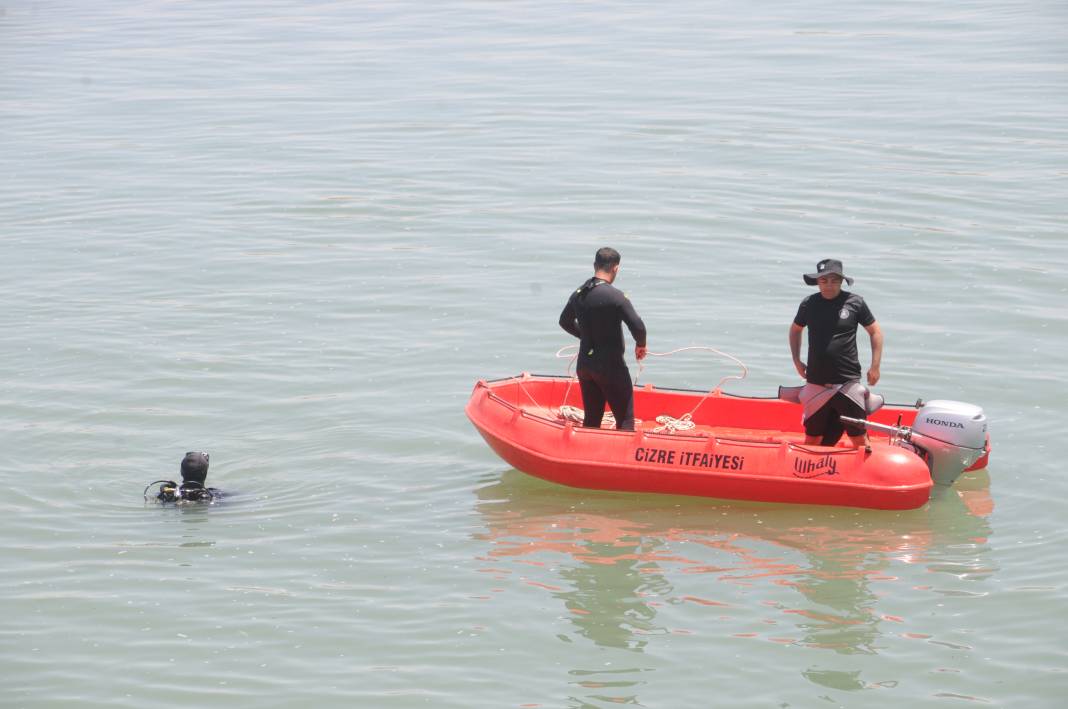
[(742, 448)]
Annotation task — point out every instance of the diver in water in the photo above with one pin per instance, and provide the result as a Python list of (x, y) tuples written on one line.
[(193, 487)]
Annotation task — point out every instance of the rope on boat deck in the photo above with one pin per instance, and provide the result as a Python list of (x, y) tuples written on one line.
[(668, 424), (574, 413)]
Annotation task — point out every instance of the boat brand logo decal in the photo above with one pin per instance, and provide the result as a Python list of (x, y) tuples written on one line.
[(948, 424), (805, 468), (691, 459)]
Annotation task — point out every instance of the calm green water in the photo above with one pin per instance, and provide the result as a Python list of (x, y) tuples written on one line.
[(295, 235)]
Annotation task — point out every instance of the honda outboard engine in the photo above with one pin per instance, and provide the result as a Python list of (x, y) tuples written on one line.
[(951, 436)]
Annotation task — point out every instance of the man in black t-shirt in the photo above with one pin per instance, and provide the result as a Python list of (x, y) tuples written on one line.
[(833, 367), (594, 314)]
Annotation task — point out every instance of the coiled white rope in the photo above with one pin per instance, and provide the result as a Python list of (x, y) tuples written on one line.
[(669, 424), (574, 413)]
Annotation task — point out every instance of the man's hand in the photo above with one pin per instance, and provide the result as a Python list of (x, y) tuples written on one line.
[(873, 375), (640, 352), (801, 368)]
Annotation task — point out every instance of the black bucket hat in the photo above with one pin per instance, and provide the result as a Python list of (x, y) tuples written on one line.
[(826, 267)]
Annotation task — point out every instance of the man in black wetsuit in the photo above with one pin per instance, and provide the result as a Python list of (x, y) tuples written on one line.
[(833, 370), (594, 314)]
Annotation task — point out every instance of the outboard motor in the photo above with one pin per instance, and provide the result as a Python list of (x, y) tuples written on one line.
[(950, 436)]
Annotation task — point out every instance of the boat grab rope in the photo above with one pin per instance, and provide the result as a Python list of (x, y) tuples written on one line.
[(668, 424)]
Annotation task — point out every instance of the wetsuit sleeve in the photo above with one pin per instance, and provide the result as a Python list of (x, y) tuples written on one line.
[(634, 323), (801, 319), (864, 316), (569, 319)]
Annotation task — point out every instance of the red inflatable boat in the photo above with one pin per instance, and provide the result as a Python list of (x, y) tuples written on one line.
[(738, 447)]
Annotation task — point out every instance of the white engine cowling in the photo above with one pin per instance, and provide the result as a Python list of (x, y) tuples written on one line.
[(952, 435)]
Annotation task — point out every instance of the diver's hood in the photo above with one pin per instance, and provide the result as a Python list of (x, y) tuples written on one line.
[(195, 467)]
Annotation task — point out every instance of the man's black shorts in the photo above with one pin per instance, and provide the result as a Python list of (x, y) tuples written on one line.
[(826, 423)]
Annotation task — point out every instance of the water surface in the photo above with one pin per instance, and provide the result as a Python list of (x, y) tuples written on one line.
[(295, 235)]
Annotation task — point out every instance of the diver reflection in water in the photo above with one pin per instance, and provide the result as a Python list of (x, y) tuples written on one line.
[(193, 487)]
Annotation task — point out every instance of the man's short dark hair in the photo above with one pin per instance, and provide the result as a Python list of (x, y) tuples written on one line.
[(605, 259)]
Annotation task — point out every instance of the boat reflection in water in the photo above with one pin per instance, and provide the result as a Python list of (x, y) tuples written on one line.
[(628, 568)]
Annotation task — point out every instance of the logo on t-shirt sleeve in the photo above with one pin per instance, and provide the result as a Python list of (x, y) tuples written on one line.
[(843, 314)]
